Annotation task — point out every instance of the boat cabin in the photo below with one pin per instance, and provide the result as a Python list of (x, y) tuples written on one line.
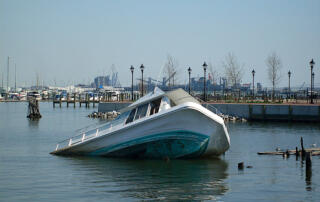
[(153, 103)]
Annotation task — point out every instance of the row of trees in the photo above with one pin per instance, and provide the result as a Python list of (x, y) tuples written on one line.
[(233, 70)]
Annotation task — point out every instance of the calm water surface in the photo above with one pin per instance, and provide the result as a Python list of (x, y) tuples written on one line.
[(29, 173)]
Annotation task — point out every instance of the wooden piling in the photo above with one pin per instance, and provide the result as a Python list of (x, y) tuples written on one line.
[(74, 100), (240, 166), (68, 100), (308, 167), (303, 152), (60, 100), (79, 100), (87, 99), (308, 160)]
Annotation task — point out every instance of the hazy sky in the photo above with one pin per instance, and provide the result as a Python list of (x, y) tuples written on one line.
[(73, 41)]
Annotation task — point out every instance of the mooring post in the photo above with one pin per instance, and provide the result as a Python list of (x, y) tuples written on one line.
[(53, 99), (79, 100), (60, 100), (308, 167), (303, 152), (240, 166), (74, 100), (308, 160), (87, 100), (93, 101), (68, 100)]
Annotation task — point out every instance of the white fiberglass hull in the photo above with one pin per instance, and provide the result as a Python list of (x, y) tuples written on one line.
[(187, 130)]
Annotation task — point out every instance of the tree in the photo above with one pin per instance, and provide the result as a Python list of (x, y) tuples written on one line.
[(213, 75), (171, 68), (274, 66), (233, 70)]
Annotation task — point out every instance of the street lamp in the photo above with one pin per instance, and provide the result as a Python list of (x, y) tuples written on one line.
[(142, 68), (253, 72), (312, 80), (204, 81), (311, 67), (189, 71), (289, 75), (131, 68)]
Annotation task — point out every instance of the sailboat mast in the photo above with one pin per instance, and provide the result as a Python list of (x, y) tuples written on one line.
[(8, 74), (15, 77)]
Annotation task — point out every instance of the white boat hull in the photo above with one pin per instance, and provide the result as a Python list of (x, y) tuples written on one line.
[(185, 131)]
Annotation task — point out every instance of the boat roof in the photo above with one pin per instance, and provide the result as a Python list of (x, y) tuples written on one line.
[(178, 96), (157, 92)]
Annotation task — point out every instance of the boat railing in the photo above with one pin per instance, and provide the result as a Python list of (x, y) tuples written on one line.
[(91, 134), (213, 109)]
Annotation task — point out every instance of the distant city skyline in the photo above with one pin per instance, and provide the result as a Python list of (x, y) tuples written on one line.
[(71, 42)]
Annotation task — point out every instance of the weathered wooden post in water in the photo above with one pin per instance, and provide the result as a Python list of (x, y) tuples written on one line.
[(303, 152), (74, 100), (33, 109), (68, 100), (60, 100)]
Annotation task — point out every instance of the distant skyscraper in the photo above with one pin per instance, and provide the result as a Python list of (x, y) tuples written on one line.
[(101, 81), (259, 87)]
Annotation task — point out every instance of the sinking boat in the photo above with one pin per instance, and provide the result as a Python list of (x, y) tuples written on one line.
[(158, 125)]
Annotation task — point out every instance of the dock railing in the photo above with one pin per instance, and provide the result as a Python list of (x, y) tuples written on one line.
[(90, 133)]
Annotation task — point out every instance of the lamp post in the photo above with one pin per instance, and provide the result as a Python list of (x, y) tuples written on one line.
[(312, 80), (204, 81), (253, 72), (142, 68), (289, 75), (189, 71), (131, 68), (311, 67)]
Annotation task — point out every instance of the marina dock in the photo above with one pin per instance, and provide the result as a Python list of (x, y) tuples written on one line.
[(251, 112)]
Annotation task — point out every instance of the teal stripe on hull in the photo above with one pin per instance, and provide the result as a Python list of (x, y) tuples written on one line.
[(174, 144)]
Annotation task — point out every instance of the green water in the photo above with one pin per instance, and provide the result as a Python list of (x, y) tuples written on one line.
[(29, 173)]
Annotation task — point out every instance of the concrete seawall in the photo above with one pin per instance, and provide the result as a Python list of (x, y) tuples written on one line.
[(254, 112)]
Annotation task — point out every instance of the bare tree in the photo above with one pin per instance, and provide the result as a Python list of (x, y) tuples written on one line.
[(171, 68), (233, 70), (213, 75), (274, 65)]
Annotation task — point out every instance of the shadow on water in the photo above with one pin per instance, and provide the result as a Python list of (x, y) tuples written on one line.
[(201, 179)]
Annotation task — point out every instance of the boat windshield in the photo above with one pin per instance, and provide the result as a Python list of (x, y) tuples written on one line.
[(131, 116), (142, 111), (122, 116)]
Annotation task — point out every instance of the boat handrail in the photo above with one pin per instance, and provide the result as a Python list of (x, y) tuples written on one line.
[(90, 134), (213, 109), (90, 127)]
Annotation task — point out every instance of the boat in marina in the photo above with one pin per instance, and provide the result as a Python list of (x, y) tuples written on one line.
[(159, 125)]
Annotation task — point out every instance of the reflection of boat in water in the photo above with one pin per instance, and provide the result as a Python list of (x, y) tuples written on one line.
[(193, 179), (158, 125)]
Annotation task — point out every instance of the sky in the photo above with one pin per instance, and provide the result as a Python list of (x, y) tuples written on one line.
[(71, 42)]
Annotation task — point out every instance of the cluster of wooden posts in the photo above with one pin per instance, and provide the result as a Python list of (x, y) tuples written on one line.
[(304, 154), (33, 109), (86, 100)]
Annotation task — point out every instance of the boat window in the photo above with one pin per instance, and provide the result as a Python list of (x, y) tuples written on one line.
[(154, 106), (165, 103), (122, 116), (142, 111), (131, 116)]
